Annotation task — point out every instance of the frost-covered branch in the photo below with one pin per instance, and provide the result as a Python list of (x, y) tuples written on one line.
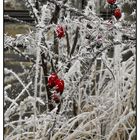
[(16, 20), (78, 13), (98, 97), (12, 47)]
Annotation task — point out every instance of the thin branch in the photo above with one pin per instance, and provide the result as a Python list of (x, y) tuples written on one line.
[(53, 69), (33, 12), (78, 13), (22, 54), (75, 41), (90, 64), (45, 70), (56, 47), (48, 135), (55, 15), (16, 20), (37, 5), (108, 69), (68, 43), (127, 37), (133, 132)]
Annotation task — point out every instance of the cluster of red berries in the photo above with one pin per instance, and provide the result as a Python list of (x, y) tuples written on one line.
[(57, 84), (114, 8), (60, 31)]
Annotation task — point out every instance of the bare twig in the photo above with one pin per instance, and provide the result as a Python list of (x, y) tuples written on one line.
[(75, 41)]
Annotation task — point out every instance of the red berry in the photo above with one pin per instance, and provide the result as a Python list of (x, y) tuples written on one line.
[(117, 13), (59, 85), (111, 1), (56, 97), (51, 80), (60, 31)]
